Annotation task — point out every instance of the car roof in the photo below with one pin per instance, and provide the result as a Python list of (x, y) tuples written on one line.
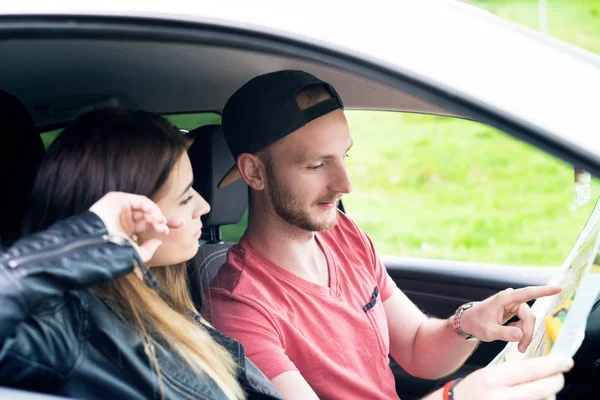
[(464, 52)]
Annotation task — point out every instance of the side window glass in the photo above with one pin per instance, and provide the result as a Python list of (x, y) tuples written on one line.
[(49, 136), (447, 188), (233, 233), (193, 121)]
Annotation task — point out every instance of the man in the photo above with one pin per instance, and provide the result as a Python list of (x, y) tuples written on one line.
[(304, 290)]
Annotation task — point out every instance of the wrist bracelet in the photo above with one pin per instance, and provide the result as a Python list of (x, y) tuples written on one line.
[(449, 389), (456, 321)]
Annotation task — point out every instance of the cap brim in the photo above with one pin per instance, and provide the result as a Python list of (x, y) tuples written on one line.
[(231, 176)]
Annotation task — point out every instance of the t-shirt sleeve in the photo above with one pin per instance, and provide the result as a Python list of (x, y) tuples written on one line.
[(246, 322), (384, 280)]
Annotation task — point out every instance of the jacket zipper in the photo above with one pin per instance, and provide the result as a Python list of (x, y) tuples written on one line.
[(147, 275), (65, 248)]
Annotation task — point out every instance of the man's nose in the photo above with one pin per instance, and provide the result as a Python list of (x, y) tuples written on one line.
[(341, 181)]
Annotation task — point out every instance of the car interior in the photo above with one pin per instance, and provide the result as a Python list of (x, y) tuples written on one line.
[(55, 69)]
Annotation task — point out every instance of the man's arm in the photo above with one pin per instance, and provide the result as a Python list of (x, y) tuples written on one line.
[(424, 347), (538, 378), (429, 348), (293, 386)]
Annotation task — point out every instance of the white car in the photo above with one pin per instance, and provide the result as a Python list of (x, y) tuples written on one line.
[(61, 59)]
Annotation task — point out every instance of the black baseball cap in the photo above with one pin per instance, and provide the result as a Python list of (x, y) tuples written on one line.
[(265, 110)]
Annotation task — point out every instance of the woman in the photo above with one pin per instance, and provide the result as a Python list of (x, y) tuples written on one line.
[(125, 337)]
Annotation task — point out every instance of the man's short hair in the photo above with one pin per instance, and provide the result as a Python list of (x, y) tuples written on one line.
[(311, 95)]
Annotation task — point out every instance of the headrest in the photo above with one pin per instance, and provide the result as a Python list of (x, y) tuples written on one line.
[(211, 159), (21, 152)]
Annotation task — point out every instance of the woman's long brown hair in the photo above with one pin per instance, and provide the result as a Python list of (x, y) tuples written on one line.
[(129, 151)]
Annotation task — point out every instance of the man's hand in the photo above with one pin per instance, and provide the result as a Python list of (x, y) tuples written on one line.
[(126, 214), (533, 379), (485, 320)]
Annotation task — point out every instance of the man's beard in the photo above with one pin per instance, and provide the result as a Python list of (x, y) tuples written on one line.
[(290, 210)]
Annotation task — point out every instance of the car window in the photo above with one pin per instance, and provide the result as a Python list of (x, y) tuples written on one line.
[(453, 189), (49, 136), (187, 122), (233, 233), (194, 120)]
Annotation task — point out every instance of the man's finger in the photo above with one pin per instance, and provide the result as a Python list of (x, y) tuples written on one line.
[(527, 318), (506, 333), (536, 390), (529, 293), (511, 373)]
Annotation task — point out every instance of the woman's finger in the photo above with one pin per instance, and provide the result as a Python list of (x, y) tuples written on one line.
[(147, 214), (140, 226), (175, 223), (138, 215), (142, 203), (147, 249), (161, 227)]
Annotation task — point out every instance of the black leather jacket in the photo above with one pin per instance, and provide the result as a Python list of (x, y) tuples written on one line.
[(56, 336)]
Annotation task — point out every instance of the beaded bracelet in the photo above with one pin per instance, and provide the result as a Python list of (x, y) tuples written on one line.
[(449, 389)]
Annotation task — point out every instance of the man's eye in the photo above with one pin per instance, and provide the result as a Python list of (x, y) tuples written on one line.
[(316, 167), (186, 200)]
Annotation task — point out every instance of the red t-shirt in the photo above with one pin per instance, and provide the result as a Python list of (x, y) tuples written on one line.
[(336, 337)]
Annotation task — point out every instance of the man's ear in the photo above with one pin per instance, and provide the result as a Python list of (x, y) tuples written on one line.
[(252, 170)]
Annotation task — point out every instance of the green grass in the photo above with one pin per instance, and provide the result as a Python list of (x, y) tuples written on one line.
[(446, 188), (192, 121)]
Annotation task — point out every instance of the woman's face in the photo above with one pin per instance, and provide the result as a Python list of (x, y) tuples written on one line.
[(177, 199)]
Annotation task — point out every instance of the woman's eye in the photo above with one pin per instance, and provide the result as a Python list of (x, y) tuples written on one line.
[(186, 200)]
